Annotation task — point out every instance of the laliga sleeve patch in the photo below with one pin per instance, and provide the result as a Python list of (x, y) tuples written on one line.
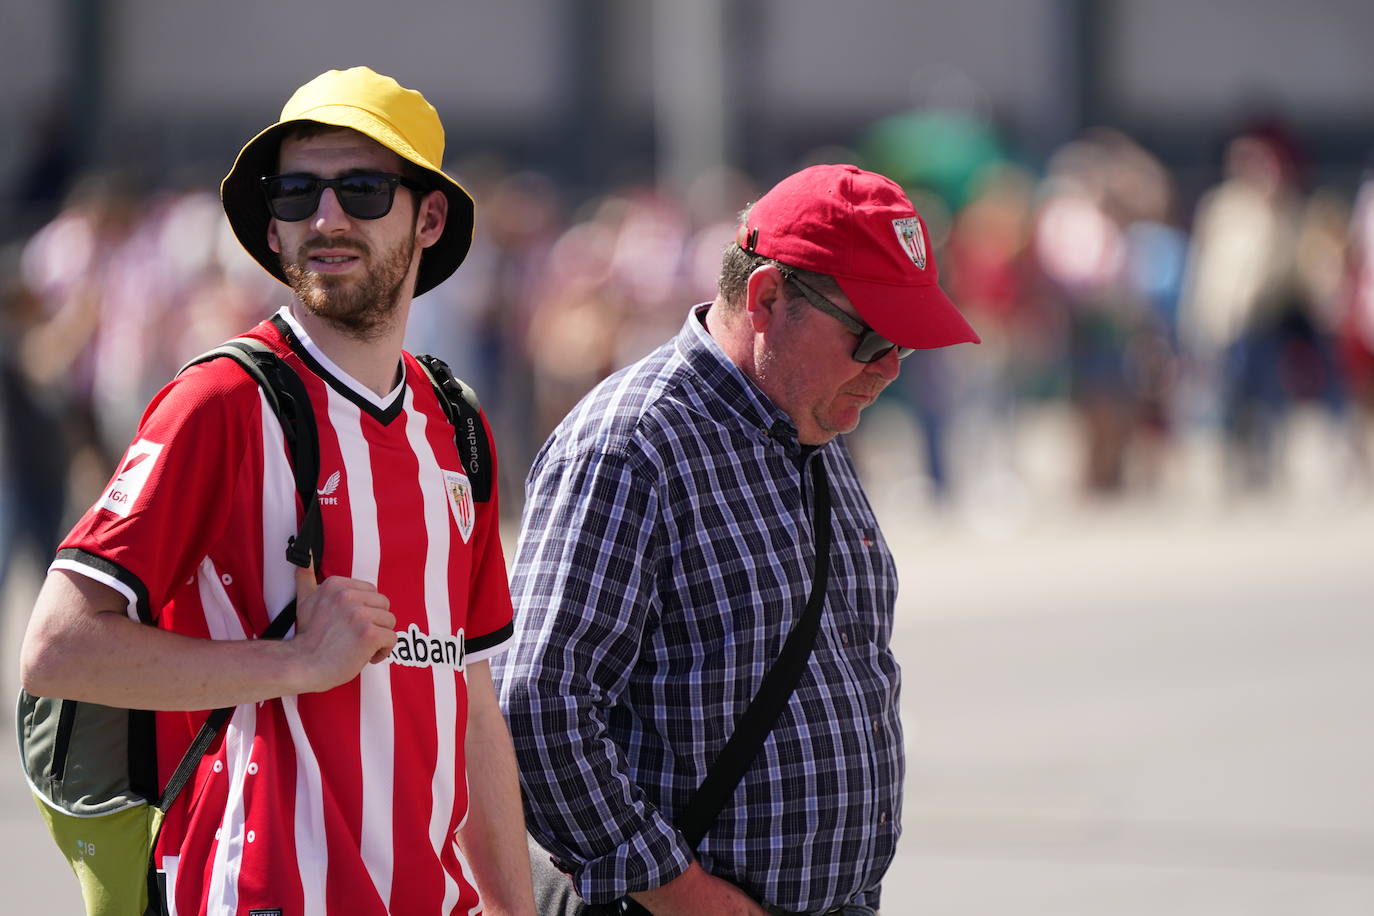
[(128, 483), (460, 501)]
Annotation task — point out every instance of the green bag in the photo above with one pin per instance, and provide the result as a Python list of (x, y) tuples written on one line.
[(87, 766)]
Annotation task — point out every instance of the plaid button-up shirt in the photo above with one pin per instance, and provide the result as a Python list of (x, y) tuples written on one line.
[(665, 553)]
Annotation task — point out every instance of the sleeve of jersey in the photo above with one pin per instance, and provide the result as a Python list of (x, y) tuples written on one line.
[(583, 581), (166, 504), (489, 624)]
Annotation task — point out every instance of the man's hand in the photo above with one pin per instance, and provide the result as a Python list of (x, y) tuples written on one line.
[(696, 892), (341, 625)]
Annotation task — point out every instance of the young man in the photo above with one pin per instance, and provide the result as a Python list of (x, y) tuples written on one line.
[(667, 551), (343, 777)]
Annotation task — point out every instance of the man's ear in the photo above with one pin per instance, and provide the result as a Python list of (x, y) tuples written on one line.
[(273, 240), (429, 225), (763, 297)]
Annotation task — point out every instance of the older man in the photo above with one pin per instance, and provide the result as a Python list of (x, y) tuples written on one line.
[(669, 548)]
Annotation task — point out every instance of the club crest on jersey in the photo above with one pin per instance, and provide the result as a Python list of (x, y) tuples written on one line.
[(134, 471), (912, 239), (459, 490), (416, 649)]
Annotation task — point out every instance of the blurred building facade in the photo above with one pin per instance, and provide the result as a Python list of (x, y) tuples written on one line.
[(593, 92), (1157, 215)]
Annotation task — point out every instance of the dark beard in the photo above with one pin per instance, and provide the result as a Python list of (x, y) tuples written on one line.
[(363, 308)]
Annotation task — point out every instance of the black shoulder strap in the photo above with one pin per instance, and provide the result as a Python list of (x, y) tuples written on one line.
[(291, 403), (465, 413), (778, 684), (286, 394)]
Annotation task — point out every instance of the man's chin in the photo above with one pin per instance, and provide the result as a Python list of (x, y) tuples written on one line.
[(840, 422)]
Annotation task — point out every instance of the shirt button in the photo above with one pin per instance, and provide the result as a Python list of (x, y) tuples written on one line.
[(877, 728), (844, 638), (882, 818)]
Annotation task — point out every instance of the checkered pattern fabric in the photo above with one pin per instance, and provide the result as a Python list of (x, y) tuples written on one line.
[(665, 553)]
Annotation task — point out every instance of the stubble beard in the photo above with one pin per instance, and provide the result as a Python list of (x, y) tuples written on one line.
[(791, 390), (363, 308)]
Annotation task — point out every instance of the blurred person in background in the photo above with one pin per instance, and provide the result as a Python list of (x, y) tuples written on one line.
[(1102, 194), (346, 762), (1140, 193), (33, 449), (67, 265), (667, 549), (1355, 327), (1240, 282), (524, 218), (576, 321), (987, 266)]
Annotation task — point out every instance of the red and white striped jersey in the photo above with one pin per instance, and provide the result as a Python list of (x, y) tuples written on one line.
[(337, 802)]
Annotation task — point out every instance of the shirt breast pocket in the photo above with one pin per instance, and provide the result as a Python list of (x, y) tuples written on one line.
[(865, 578)]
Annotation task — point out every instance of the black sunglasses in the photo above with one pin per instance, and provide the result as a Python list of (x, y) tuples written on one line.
[(871, 347), (363, 195)]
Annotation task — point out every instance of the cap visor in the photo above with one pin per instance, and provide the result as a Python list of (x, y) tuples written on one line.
[(922, 317)]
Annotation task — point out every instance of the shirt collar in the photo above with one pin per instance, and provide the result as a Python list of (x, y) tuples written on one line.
[(729, 383), (332, 369)]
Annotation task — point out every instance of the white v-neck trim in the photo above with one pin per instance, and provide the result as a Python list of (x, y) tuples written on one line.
[(381, 402)]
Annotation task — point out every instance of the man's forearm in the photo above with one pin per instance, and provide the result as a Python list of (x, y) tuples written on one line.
[(104, 657), (81, 646), (493, 837)]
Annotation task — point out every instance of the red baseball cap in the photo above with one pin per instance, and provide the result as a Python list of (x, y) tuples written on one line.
[(860, 228)]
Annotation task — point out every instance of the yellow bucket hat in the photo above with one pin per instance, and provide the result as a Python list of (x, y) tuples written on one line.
[(380, 108)]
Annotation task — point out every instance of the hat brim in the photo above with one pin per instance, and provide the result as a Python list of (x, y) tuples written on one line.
[(246, 208), (922, 317)]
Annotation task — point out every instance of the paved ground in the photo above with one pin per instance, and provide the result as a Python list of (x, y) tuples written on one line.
[(1151, 707), (1138, 715)]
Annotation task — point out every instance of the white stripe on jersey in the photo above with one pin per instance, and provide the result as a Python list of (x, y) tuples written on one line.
[(279, 587), (312, 854), (433, 492), (223, 893), (467, 873), (224, 623), (278, 515), (375, 713), (169, 868), (221, 619)]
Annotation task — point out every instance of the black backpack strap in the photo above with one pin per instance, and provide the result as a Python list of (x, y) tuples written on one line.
[(778, 684), (465, 413), (290, 402), (286, 394)]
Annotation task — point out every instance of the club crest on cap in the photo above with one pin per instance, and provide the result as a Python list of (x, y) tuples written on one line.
[(912, 239)]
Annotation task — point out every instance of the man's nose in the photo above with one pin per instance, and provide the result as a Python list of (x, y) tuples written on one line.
[(887, 366), (329, 215)]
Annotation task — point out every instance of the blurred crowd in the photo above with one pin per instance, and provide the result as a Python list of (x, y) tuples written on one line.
[(1098, 290)]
